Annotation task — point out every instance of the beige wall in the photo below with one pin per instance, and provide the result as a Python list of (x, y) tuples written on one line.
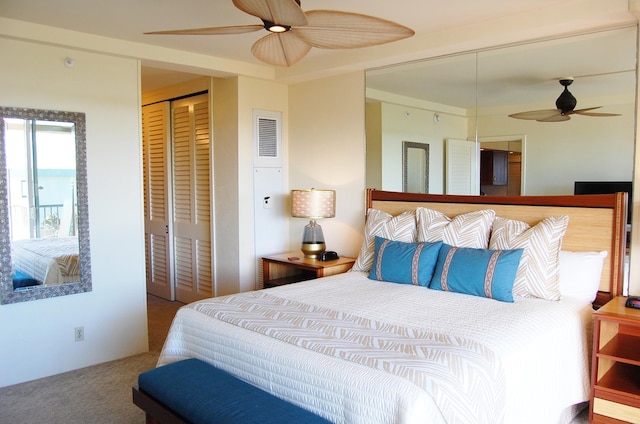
[(225, 186), (373, 146), (326, 150), (38, 336)]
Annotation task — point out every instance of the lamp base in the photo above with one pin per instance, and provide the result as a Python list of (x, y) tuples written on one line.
[(313, 250)]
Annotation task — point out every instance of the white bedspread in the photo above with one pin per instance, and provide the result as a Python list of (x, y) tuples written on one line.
[(52, 260), (360, 351)]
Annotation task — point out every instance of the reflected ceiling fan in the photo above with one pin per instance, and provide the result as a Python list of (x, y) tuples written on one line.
[(565, 105), (294, 32)]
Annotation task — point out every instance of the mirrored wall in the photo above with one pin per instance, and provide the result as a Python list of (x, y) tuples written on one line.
[(445, 102)]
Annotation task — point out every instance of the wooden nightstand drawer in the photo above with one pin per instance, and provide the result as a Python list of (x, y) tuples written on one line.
[(619, 411)]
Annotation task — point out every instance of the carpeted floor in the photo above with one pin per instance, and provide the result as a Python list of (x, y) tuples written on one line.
[(97, 394), (101, 393)]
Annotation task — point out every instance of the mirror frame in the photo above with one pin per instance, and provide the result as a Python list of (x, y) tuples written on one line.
[(406, 145), (7, 293)]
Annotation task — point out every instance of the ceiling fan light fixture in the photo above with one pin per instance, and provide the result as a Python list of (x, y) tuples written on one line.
[(277, 28)]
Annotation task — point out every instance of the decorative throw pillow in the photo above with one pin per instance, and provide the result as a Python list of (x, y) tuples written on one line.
[(398, 228), (466, 230), (405, 263), (539, 270), (580, 274), (479, 272)]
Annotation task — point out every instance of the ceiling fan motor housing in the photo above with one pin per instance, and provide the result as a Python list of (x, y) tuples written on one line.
[(566, 102)]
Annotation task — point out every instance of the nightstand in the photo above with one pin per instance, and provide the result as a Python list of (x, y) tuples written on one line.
[(293, 267), (615, 374)]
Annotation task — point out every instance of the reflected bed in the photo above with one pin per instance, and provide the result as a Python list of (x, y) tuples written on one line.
[(49, 261)]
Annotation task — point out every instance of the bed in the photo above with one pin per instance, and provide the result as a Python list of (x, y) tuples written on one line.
[(355, 348), (49, 261)]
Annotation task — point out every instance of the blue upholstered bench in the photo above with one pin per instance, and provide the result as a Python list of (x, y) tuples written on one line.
[(22, 280), (192, 391)]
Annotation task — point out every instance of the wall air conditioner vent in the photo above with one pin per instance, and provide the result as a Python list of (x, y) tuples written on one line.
[(267, 132), (267, 138)]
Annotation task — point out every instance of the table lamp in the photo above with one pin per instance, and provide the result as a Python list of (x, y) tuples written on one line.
[(313, 204)]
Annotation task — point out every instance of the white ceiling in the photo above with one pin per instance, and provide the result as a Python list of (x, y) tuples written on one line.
[(128, 20)]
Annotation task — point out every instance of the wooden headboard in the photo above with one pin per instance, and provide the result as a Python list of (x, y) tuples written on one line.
[(596, 222)]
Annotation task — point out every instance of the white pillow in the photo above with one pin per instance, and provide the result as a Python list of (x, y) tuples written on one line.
[(397, 228), (539, 270), (466, 230), (580, 274)]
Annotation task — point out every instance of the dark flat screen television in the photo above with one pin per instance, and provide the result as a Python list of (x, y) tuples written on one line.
[(605, 187)]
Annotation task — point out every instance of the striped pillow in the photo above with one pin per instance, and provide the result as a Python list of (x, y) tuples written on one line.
[(398, 228), (404, 263), (467, 230), (539, 270)]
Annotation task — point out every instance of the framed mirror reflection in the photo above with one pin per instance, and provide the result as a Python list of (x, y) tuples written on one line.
[(44, 225), (415, 167)]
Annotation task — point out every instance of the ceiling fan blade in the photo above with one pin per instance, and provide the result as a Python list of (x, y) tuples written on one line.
[(536, 115), (329, 29), (579, 112), (586, 109), (586, 112), (238, 29), (280, 49), (283, 12), (555, 118)]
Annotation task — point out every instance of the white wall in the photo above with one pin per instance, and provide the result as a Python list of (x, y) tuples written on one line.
[(38, 336), (327, 151)]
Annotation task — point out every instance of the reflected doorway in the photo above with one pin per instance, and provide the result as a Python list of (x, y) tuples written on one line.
[(502, 166)]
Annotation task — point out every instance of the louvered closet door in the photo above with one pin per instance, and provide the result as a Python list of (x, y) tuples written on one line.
[(192, 260), (155, 161)]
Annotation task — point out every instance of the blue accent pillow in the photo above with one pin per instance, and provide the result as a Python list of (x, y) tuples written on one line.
[(404, 263), (479, 272)]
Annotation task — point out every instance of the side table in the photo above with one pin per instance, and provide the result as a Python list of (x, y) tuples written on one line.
[(293, 267)]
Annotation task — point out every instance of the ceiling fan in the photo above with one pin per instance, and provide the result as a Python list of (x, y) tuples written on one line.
[(294, 32), (565, 105)]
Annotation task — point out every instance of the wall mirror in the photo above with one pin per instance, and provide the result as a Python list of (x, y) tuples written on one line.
[(415, 167), (44, 218), (474, 93)]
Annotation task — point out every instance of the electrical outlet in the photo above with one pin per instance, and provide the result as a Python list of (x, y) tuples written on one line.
[(79, 333)]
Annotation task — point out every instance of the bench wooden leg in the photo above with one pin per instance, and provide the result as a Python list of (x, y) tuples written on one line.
[(156, 413), (150, 419)]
